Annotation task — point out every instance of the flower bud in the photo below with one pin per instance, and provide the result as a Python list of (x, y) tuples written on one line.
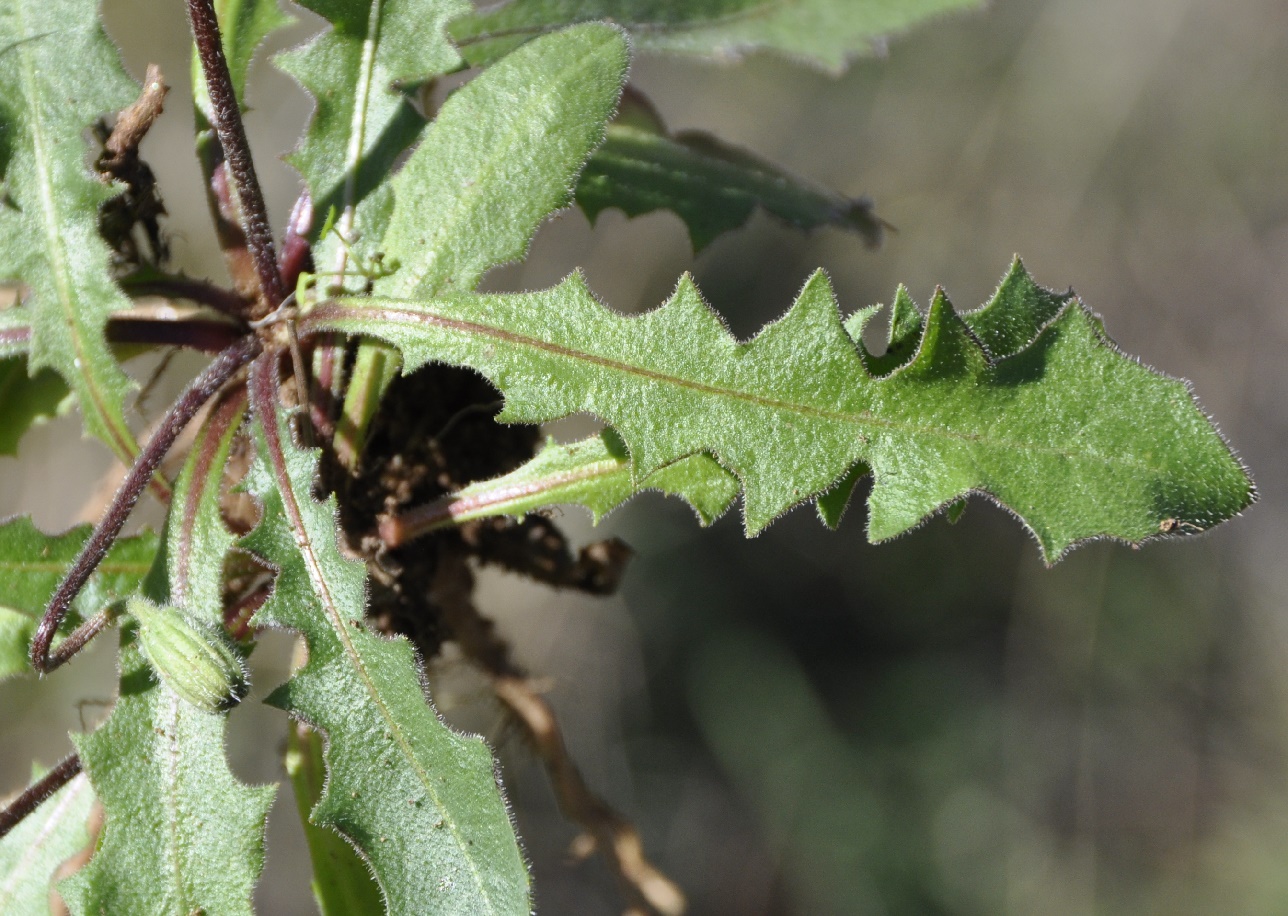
[(194, 661)]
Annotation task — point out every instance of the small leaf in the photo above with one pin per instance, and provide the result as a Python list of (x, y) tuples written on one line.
[(181, 833), (1078, 440), (358, 72), (31, 566), (710, 185), (32, 853), (419, 801), (825, 33), (595, 473), (501, 156), (49, 237)]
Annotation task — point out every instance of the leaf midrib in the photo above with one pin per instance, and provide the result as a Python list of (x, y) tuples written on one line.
[(336, 314), (122, 444), (466, 503), (305, 544)]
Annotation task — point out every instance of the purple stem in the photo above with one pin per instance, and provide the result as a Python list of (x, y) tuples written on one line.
[(201, 292), (232, 137), (202, 389), (38, 792), (195, 334)]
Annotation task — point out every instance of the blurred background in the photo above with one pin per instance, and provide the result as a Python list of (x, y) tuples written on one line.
[(803, 723)]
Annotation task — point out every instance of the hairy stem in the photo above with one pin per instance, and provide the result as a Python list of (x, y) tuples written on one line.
[(202, 389), (38, 792), (176, 286), (194, 334), (232, 137)]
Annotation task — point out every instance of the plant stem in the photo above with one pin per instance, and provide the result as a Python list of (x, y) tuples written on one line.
[(202, 389), (38, 792), (207, 336), (175, 286), (232, 137)]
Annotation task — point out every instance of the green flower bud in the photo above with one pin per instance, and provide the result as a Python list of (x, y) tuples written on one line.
[(194, 661)]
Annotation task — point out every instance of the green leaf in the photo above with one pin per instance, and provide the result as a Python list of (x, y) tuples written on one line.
[(1010, 321), (197, 540), (26, 401), (49, 237), (420, 802), (826, 33), (32, 853), (181, 833), (358, 73), (595, 473), (1072, 436), (501, 156), (31, 566), (342, 883), (712, 186), (243, 27)]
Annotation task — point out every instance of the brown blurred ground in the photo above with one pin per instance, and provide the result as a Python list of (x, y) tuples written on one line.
[(807, 724)]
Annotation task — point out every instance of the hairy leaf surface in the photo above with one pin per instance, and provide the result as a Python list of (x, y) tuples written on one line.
[(712, 186), (826, 33), (419, 801), (502, 155), (172, 807), (359, 72), (1011, 320), (32, 853), (31, 566), (595, 473), (1075, 438), (49, 237)]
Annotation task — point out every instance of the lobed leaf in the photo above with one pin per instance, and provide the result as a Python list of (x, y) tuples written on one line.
[(33, 852), (420, 802), (172, 808), (31, 566), (49, 237), (359, 72), (1076, 439), (1011, 320), (825, 33), (181, 833), (595, 473), (712, 186)]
